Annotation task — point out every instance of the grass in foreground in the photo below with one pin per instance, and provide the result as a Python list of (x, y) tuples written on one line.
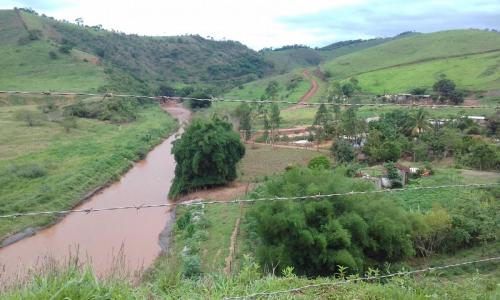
[(46, 168), (470, 282)]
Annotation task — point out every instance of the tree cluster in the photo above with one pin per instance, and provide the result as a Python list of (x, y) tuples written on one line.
[(317, 238), (206, 155)]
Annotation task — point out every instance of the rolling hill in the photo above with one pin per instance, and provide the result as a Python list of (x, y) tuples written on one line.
[(288, 58), (98, 59), (414, 49), (469, 57)]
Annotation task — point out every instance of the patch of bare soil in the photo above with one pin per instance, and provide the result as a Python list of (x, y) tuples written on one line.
[(223, 193), (471, 102), (232, 246)]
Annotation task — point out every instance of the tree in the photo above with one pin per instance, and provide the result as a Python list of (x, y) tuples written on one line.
[(418, 91), (446, 89), (79, 21), (457, 97), (335, 91), (244, 112), (352, 126), (493, 124), (275, 120), (206, 155), (166, 90), (31, 118), (433, 231), (420, 122), (272, 90), (348, 89), (324, 118), (484, 156), (343, 151)]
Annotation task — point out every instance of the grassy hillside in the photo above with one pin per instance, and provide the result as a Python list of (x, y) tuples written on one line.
[(28, 65), (474, 72), (45, 167), (256, 89), (289, 58), (126, 62), (413, 49), (186, 59)]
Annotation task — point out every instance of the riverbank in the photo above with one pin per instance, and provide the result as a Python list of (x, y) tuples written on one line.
[(124, 241), (46, 168)]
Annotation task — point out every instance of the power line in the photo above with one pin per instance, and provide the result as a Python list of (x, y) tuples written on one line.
[(305, 104), (192, 203), (330, 284)]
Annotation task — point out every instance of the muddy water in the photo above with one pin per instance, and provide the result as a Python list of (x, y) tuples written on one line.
[(102, 238)]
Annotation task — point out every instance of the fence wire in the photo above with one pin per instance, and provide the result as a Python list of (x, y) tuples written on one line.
[(305, 104), (266, 199)]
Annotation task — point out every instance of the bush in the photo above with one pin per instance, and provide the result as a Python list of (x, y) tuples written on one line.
[(191, 267), (315, 237), (68, 123), (319, 162), (53, 55), (114, 110), (31, 118), (393, 175)]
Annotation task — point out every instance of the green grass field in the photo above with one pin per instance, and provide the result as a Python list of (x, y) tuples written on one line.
[(415, 48), (472, 72), (68, 164), (263, 160)]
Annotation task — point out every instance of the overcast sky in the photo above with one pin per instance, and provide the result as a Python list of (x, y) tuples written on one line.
[(273, 23)]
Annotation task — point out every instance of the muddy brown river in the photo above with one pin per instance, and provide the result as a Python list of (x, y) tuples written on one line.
[(103, 239)]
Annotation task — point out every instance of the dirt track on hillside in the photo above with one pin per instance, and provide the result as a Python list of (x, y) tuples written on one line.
[(310, 93)]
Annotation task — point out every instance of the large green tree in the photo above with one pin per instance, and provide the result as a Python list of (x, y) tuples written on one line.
[(206, 155)]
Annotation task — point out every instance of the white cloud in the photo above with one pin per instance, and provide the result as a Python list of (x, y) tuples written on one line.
[(254, 23)]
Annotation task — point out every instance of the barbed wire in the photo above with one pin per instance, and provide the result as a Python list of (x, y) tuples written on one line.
[(305, 104), (330, 284), (202, 202)]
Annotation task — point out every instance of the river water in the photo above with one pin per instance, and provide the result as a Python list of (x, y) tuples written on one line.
[(125, 239)]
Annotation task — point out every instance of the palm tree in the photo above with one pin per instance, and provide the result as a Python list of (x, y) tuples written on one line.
[(420, 123)]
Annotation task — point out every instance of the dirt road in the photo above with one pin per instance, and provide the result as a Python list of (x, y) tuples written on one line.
[(310, 93)]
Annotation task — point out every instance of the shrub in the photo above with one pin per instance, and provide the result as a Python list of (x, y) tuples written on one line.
[(68, 123), (30, 171), (31, 118), (53, 55), (343, 151), (114, 110), (319, 162), (393, 175), (315, 237), (191, 267)]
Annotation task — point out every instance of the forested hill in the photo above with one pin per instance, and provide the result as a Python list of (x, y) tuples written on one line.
[(143, 62)]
